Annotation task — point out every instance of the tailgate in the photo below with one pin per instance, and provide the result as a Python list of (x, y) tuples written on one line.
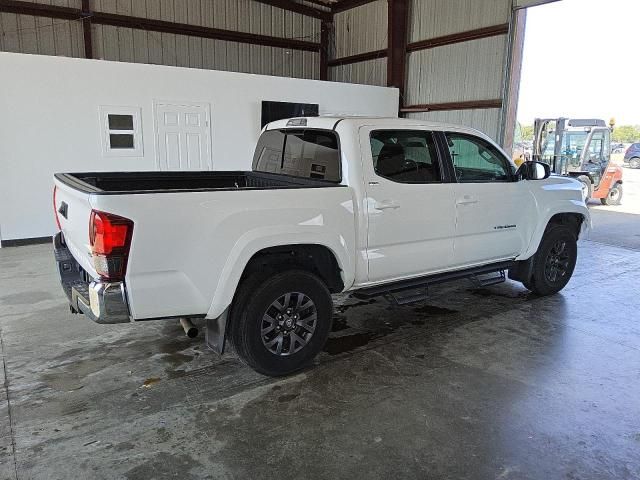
[(73, 209)]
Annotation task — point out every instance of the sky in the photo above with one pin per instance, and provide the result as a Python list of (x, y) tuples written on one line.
[(582, 59)]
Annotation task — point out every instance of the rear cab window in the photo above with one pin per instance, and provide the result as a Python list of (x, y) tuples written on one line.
[(304, 153)]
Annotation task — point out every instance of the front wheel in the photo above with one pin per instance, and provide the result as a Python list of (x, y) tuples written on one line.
[(279, 323), (614, 197), (634, 162), (554, 261)]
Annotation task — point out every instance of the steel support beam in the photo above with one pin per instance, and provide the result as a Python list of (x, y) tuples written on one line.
[(440, 107), (397, 45), (476, 34), (360, 57), (348, 5), (512, 81), (148, 24), (86, 29), (326, 29), (299, 8), (40, 10)]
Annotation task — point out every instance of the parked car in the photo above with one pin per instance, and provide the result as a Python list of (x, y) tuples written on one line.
[(632, 156), (617, 148), (361, 205)]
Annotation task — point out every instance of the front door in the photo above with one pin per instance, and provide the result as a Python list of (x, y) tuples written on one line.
[(410, 209), (493, 210), (183, 136)]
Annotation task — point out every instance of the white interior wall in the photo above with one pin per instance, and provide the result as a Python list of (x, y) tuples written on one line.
[(50, 120)]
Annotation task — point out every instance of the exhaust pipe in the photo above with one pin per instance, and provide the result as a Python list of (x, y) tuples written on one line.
[(189, 328)]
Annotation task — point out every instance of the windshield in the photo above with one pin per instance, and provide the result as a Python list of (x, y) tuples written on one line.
[(572, 143)]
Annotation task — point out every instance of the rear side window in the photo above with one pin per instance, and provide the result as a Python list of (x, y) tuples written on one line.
[(299, 153), (405, 156)]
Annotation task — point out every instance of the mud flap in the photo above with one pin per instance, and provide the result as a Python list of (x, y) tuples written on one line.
[(215, 332), (522, 271)]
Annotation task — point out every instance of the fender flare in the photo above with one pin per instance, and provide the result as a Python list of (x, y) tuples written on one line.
[(574, 207), (254, 241)]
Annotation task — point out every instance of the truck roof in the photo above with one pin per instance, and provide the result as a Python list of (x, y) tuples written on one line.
[(330, 122)]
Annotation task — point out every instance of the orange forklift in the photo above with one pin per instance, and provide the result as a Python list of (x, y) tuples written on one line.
[(580, 148)]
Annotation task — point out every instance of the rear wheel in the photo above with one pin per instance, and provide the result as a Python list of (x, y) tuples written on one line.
[(634, 162), (554, 261), (614, 197), (281, 322), (587, 187)]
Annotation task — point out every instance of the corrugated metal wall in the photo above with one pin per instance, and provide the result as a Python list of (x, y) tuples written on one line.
[(465, 71), (360, 30), (435, 18), (468, 71), (26, 34), (39, 35), (487, 121), (370, 72)]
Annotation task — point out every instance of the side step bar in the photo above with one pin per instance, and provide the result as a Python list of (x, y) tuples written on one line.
[(424, 282)]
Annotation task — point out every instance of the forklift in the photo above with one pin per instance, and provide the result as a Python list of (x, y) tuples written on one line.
[(580, 148)]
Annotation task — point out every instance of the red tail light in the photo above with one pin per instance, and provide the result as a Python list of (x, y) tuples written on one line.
[(55, 208), (110, 239)]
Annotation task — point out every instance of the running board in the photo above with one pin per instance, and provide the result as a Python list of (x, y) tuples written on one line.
[(480, 281), (424, 282), (411, 297)]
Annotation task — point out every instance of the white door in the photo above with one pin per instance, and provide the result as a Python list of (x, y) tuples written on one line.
[(493, 211), (183, 136), (410, 209)]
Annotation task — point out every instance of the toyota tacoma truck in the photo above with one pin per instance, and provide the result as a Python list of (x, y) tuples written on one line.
[(369, 206)]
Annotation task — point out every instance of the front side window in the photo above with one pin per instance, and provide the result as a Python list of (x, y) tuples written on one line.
[(299, 153), (405, 156), (475, 160), (598, 147)]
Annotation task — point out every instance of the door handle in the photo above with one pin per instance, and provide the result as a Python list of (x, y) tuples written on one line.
[(466, 200), (386, 205)]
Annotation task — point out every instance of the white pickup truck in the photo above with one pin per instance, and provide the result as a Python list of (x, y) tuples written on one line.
[(364, 205)]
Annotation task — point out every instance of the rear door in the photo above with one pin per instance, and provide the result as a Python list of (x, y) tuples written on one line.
[(183, 136), (493, 209), (409, 202)]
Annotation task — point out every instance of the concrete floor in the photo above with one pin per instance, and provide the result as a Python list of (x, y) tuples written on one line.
[(488, 383), (619, 224)]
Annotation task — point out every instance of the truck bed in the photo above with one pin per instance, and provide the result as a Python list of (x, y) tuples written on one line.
[(113, 183)]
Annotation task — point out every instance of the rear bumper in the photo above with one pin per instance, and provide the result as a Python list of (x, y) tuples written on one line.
[(102, 302)]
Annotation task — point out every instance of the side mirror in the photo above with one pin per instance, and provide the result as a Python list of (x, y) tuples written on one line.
[(533, 171)]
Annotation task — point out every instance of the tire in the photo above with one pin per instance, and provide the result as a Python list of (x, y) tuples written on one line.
[(614, 197), (634, 162), (280, 322), (554, 261), (587, 187)]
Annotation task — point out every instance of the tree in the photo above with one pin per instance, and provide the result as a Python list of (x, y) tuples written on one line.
[(527, 133), (626, 134)]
